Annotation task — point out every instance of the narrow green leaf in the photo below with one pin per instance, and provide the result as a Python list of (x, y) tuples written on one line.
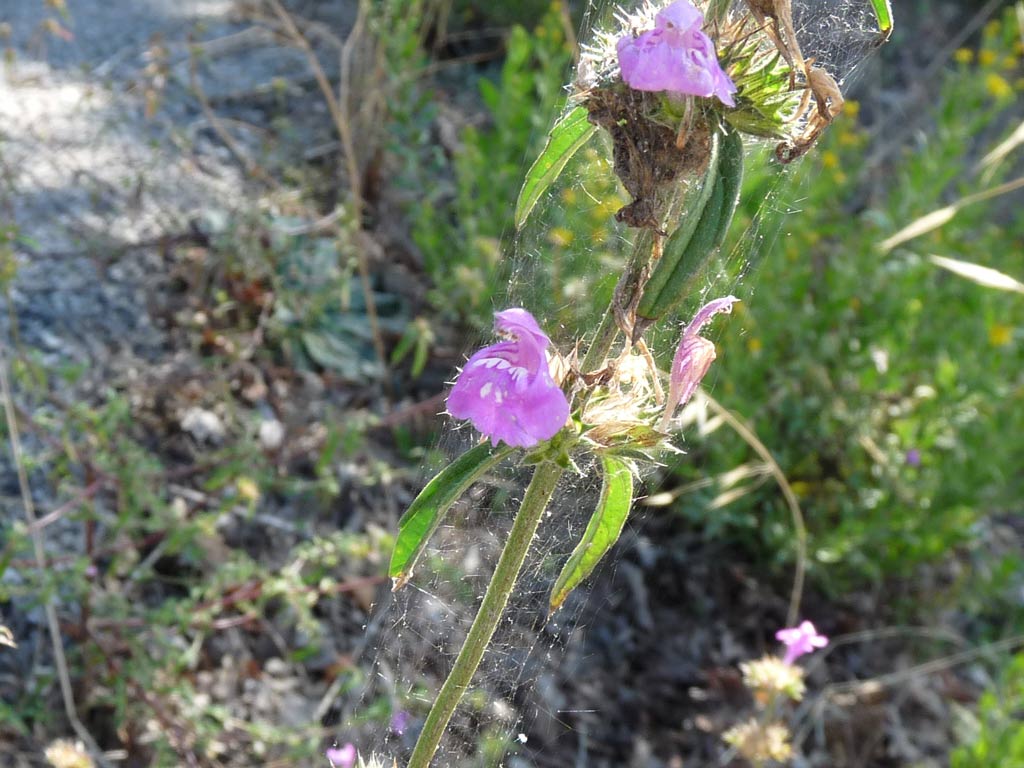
[(567, 136), (883, 12), (428, 509), (603, 530)]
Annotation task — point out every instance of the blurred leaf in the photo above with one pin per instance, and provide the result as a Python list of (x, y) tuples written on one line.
[(417, 338), (428, 509), (602, 532), (569, 134), (334, 353), (985, 276)]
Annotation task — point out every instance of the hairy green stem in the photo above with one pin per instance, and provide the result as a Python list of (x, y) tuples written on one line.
[(603, 340), (630, 281), (506, 573), (538, 493)]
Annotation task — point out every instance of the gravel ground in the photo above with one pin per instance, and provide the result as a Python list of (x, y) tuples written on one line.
[(89, 177)]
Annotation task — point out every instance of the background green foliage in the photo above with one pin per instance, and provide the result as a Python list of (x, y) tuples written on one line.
[(996, 736), (890, 391)]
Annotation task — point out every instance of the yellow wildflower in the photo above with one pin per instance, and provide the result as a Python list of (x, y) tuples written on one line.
[(247, 489), (1000, 335), (560, 236), (769, 677), (964, 55), (849, 139), (986, 58), (997, 86)]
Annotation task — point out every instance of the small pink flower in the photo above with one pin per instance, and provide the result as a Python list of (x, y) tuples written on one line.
[(343, 757), (800, 640), (506, 389), (676, 56), (693, 357)]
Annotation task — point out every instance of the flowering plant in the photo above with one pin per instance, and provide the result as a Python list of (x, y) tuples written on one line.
[(675, 87), (773, 681)]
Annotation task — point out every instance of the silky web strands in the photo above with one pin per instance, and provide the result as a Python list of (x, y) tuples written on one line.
[(558, 418)]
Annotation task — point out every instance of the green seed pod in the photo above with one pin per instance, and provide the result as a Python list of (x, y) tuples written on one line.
[(685, 259)]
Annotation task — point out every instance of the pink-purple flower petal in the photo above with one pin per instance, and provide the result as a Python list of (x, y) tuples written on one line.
[(506, 389), (693, 357), (800, 640), (679, 16), (676, 56)]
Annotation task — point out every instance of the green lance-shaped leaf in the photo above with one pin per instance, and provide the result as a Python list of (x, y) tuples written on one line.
[(569, 134), (883, 12), (428, 509), (707, 236), (603, 530)]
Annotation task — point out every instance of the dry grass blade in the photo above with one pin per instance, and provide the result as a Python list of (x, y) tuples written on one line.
[(250, 166), (919, 227), (984, 276), (60, 660), (799, 528), (937, 218), (925, 668), (1001, 151)]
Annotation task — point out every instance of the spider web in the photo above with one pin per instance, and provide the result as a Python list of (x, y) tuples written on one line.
[(563, 267)]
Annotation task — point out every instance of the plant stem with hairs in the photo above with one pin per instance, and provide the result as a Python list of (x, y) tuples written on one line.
[(506, 573), (538, 493)]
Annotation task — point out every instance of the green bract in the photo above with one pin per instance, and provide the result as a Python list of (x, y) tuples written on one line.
[(604, 528), (428, 509)]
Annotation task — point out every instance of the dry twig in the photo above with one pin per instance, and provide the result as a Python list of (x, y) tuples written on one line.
[(60, 660)]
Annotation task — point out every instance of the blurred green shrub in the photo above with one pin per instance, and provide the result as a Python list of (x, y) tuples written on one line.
[(998, 738), (889, 390), (459, 226)]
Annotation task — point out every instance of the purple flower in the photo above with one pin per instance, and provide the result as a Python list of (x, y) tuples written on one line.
[(800, 640), (913, 457), (693, 357), (506, 389), (675, 56), (399, 722), (344, 757)]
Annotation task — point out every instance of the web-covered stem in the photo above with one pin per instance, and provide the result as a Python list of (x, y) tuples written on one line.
[(535, 501)]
